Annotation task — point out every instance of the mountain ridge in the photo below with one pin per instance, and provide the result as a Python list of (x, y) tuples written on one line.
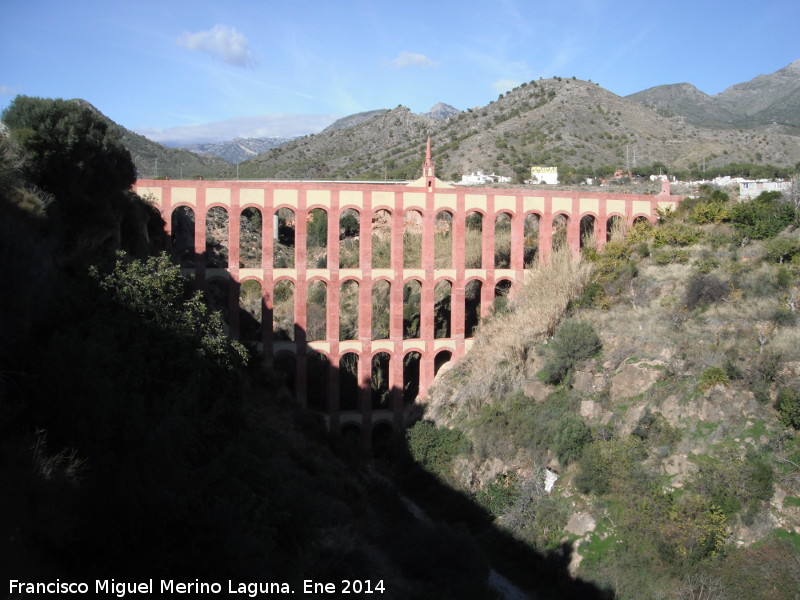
[(766, 99)]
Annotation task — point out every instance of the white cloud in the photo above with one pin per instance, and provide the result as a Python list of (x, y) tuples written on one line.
[(501, 86), (222, 42), (275, 125), (7, 90), (411, 59)]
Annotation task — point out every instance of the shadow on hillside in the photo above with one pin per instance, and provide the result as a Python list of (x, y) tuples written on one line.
[(426, 497)]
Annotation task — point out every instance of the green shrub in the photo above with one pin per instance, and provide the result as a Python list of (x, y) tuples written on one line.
[(610, 466), (654, 429), (435, 448), (781, 249), (572, 435), (764, 216), (788, 406), (676, 234), (499, 495), (667, 256), (574, 342), (734, 483), (712, 376)]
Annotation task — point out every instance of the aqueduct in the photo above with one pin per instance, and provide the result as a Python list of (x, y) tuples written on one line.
[(394, 254)]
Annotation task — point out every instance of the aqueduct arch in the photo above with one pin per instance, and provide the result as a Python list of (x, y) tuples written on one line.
[(463, 221)]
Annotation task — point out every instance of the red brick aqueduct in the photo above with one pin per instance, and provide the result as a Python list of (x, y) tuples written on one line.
[(429, 200)]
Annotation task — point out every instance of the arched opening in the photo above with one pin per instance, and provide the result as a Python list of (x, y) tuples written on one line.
[(283, 248), (316, 311), (379, 380), (217, 238), (473, 241), (349, 239), (412, 295), (317, 239), (412, 240), (442, 309), (317, 366), (250, 236), (285, 367), (442, 358), (501, 291), (381, 297), (587, 227), (182, 234), (348, 381), (251, 311), (472, 307), (443, 240), (615, 228), (283, 311), (382, 435), (560, 222), (348, 310), (640, 219), (382, 239), (218, 294), (411, 364), (530, 240), (350, 436), (502, 241)]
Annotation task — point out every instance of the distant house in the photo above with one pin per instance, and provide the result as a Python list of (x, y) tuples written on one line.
[(479, 178), (751, 189), (541, 174)]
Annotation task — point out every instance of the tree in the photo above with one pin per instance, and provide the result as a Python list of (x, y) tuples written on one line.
[(72, 152), (75, 156)]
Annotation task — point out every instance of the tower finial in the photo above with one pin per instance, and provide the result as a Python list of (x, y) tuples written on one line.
[(428, 168)]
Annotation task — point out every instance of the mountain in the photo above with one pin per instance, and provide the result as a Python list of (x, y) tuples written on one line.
[(240, 149), (354, 120), (154, 160), (574, 124), (442, 112), (764, 100)]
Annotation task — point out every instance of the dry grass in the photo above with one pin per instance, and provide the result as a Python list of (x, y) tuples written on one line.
[(497, 360)]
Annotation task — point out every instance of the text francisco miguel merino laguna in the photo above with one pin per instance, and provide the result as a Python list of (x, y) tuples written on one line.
[(168, 586)]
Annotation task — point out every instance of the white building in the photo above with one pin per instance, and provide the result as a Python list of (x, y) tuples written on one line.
[(479, 178), (751, 189), (548, 175)]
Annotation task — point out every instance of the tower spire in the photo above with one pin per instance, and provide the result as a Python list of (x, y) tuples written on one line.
[(428, 167)]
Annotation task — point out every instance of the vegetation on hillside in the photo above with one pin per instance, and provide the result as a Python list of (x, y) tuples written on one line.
[(137, 441), (662, 390)]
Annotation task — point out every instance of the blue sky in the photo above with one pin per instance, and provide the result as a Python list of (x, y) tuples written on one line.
[(200, 70)]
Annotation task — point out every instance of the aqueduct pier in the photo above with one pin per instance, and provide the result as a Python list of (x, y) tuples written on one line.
[(535, 220)]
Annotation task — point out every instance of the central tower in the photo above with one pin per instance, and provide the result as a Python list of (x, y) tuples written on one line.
[(429, 168)]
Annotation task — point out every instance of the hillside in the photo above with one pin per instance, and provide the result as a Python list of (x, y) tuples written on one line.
[(656, 386), (138, 441), (574, 124), (155, 160), (772, 99), (240, 149)]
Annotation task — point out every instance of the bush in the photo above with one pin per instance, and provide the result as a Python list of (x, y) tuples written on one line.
[(704, 289), (781, 249), (574, 342), (762, 217), (435, 448), (733, 483), (712, 376), (572, 435), (788, 406)]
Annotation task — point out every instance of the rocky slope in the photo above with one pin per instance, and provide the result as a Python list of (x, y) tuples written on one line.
[(764, 100), (676, 465)]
